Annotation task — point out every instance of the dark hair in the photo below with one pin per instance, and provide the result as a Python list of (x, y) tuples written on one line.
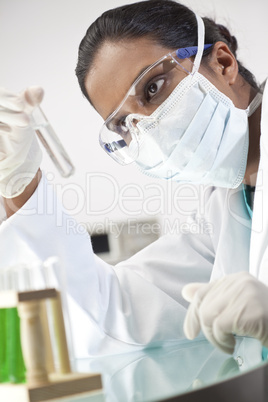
[(167, 22)]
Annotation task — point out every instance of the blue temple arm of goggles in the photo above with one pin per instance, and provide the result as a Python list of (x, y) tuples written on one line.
[(115, 145), (186, 52)]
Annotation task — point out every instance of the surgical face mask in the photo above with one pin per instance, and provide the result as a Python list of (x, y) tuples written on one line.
[(197, 135)]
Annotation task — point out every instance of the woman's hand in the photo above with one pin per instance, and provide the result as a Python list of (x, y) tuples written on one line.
[(236, 304), (20, 154)]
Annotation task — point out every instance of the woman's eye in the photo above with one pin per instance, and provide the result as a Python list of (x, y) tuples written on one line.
[(153, 88)]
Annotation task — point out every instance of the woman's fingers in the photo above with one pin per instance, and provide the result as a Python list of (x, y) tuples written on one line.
[(11, 101), (34, 95), (10, 118)]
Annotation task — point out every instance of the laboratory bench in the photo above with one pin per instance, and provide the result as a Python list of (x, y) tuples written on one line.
[(187, 371)]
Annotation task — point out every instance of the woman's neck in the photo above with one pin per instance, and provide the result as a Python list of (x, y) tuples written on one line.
[(254, 148)]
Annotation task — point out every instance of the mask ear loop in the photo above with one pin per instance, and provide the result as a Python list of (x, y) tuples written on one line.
[(200, 44), (255, 103)]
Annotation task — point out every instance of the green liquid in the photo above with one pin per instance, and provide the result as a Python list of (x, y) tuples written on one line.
[(12, 368), (3, 347)]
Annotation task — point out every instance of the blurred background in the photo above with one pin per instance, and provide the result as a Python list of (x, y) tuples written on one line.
[(39, 42)]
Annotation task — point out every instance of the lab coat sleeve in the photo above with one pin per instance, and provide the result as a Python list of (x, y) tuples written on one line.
[(135, 304)]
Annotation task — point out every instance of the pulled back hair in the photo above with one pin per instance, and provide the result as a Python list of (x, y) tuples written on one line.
[(166, 22)]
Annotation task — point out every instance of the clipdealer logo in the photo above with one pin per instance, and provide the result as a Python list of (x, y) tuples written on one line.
[(134, 226), (172, 203)]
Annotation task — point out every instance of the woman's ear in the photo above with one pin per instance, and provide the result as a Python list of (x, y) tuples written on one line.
[(223, 62)]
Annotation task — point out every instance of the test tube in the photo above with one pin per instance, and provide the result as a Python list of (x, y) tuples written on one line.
[(58, 316), (12, 368), (51, 143), (16, 366), (45, 275)]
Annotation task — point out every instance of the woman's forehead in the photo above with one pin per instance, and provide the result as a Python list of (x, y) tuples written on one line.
[(116, 66)]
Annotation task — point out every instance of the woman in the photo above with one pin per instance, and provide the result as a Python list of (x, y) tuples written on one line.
[(177, 102)]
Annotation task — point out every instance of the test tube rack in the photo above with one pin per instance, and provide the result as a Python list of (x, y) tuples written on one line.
[(43, 382)]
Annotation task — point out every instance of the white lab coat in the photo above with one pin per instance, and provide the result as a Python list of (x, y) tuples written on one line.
[(138, 302)]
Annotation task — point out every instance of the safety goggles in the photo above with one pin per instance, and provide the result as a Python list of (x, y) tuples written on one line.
[(119, 136)]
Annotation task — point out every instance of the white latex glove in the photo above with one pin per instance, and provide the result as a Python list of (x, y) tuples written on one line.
[(20, 154), (236, 304)]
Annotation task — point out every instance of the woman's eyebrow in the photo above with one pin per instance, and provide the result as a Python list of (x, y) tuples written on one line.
[(137, 76), (140, 72)]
